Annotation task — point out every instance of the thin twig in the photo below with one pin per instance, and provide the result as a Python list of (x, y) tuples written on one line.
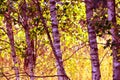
[(74, 52), (5, 76), (103, 58)]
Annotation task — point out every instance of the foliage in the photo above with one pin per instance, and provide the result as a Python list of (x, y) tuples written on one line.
[(73, 35)]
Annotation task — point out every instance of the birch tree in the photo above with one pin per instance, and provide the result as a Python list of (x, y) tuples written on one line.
[(56, 42), (115, 39), (92, 41), (10, 34), (29, 62)]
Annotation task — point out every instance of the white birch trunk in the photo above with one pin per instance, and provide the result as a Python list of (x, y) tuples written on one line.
[(11, 39), (115, 40), (56, 42), (29, 59), (92, 41)]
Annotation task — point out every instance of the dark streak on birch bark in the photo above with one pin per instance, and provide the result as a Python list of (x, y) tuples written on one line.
[(92, 41), (56, 42), (115, 40), (11, 39), (29, 61)]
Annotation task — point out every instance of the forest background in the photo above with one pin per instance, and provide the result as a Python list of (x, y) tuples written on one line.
[(56, 40)]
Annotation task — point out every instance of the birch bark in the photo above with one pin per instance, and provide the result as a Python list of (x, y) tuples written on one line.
[(56, 42), (92, 41), (11, 39), (115, 39), (29, 62)]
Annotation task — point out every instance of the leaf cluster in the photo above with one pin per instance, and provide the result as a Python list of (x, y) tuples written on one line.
[(3, 7), (102, 25)]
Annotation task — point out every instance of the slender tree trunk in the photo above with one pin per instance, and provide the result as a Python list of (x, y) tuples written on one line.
[(56, 42), (92, 41), (30, 56), (115, 40), (11, 39), (43, 22)]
